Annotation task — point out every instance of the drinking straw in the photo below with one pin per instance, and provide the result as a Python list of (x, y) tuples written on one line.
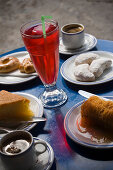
[(43, 24)]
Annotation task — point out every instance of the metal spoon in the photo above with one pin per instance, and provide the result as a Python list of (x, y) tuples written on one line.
[(4, 130), (34, 120), (20, 124)]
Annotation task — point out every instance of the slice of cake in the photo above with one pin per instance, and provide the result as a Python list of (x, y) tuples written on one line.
[(98, 112), (13, 106)]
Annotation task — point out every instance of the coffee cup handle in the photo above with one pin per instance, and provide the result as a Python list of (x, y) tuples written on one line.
[(42, 143)]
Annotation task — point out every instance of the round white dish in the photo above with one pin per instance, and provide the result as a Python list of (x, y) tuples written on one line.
[(67, 70), (37, 108), (90, 42), (44, 160), (16, 77), (70, 126)]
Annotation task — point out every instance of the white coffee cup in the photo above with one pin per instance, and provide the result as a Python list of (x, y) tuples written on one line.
[(73, 35), (24, 159)]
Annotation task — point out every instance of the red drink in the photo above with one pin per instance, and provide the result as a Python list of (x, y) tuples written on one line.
[(44, 52)]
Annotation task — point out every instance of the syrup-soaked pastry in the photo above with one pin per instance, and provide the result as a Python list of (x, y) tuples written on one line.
[(97, 111)]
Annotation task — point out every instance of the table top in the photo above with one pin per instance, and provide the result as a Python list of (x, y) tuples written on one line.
[(67, 153)]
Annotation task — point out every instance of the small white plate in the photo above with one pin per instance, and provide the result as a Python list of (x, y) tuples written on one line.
[(70, 126), (68, 67), (4, 79), (90, 42), (44, 160), (36, 107)]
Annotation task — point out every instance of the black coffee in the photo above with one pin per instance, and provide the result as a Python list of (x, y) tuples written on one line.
[(15, 147), (74, 28)]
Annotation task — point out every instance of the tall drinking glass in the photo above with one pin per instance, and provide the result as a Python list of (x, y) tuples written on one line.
[(44, 52)]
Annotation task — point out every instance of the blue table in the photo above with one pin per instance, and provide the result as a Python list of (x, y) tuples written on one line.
[(68, 155)]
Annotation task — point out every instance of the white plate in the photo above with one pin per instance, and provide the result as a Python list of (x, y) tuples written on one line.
[(36, 107), (44, 160), (13, 79), (67, 70), (90, 42), (70, 126)]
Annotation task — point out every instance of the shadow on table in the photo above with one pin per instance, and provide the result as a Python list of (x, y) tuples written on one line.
[(53, 165), (21, 86), (100, 88), (39, 129), (66, 56), (95, 154)]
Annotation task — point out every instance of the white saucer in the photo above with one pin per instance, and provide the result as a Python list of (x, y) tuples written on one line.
[(90, 42), (44, 160)]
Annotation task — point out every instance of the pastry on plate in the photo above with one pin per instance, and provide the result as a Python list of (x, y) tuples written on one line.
[(26, 66), (89, 66), (82, 73), (8, 64), (98, 66), (86, 58), (14, 107), (98, 112)]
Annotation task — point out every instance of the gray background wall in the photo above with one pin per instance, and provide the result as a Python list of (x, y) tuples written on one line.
[(96, 15)]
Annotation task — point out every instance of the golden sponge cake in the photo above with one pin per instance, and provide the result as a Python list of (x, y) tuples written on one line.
[(13, 106), (97, 111)]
